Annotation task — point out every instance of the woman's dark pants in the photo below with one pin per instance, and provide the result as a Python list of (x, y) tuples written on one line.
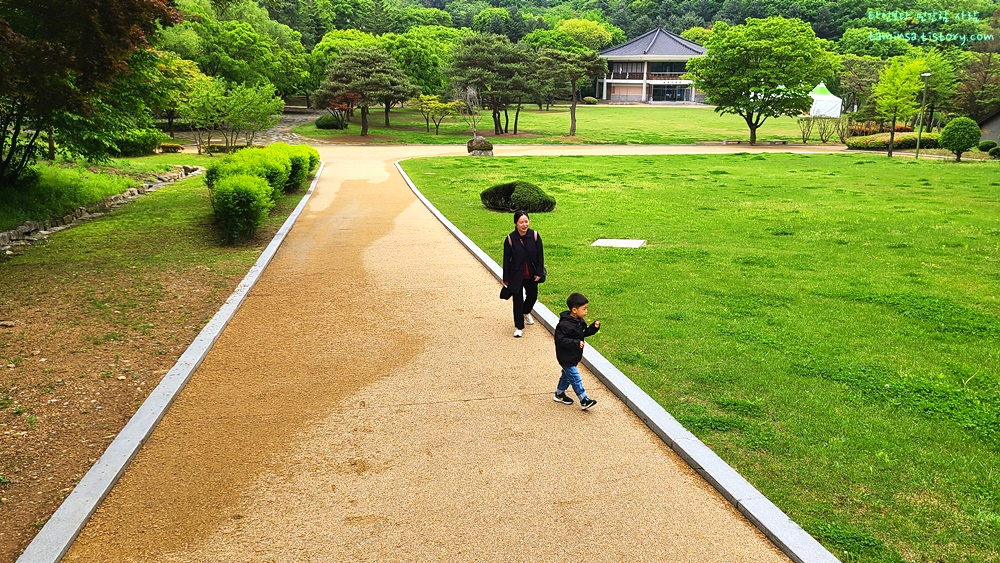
[(524, 302)]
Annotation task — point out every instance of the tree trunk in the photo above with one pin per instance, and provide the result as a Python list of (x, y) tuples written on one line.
[(52, 143), (364, 121), (517, 114), (572, 111), (892, 134), (308, 101), (506, 121), (497, 130), (387, 107), (930, 120), (170, 123)]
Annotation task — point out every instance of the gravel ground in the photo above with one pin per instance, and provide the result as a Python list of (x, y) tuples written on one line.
[(368, 402)]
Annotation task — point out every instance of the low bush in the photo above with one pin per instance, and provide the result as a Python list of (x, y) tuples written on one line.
[(171, 147), (871, 128), (301, 158), (995, 152), (273, 166), (517, 195), (139, 142), (220, 149), (985, 146), (589, 100), (331, 121), (880, 141), (241, 203), (960, 135)]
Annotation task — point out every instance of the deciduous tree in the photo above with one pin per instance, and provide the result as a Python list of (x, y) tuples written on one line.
[(895, 94), (56, 57), (763, 69)]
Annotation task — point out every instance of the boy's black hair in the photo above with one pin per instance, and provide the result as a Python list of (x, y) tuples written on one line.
[(518, 214), (576, 300)]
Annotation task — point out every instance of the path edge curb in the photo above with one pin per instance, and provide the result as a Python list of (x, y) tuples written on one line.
[(60, 531), (788, 536)]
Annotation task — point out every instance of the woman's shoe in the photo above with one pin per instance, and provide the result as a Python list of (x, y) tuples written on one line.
[(517, 333), (528, 319)]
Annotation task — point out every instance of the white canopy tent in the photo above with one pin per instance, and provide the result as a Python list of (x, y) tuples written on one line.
[(824, 103)]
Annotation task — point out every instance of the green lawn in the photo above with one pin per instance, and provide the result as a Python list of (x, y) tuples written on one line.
[(828, 324), (66, 185), (601, 124)]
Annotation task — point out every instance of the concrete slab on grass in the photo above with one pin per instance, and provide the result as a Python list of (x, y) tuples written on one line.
[(619, 242)]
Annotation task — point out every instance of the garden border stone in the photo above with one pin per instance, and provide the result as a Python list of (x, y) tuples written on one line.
[(58, 534), (788, 536)]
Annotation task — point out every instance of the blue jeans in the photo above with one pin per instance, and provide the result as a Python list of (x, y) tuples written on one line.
[(571, 376)]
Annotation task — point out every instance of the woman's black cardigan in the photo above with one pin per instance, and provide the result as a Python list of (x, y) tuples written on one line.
[(515, 256)]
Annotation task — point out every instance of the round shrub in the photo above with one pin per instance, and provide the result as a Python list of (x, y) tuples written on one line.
[(331, 121), (589, 100), (298, 161), (241, 203), (995, 152), (171, 147), (517, 195), (985, 146), (960, 135), (273, 166)]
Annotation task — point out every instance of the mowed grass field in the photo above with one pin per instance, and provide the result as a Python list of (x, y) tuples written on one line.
[(828, 324), (600, 124)]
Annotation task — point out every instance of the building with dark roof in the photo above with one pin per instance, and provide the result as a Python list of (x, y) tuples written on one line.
[(648, 69), (990, 126)]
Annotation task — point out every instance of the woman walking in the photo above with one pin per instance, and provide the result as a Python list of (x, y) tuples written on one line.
[(523, 269)]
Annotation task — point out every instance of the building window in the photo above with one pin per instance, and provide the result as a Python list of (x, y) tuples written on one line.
[(680, 66), (671, 93)]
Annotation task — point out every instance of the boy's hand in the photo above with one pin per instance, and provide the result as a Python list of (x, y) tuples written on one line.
[(581, 344), (597, 324)]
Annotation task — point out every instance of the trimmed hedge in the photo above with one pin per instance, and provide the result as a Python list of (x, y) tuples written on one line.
[(985, 146), (171, 147), (241, 203), (517, 195), (284, 167), (589, 100), (995, 152), (880, 141)]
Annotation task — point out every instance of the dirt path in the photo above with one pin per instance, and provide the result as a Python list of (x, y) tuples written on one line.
[(368, 402)]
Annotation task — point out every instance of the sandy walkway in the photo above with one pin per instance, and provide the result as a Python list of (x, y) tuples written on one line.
[(367, 402)]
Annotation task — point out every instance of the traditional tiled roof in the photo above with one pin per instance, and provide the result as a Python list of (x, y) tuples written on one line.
[(657, 42), (989, 118)]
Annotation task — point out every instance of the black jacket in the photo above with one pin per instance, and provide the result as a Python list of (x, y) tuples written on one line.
[(569, 332), (516, 255)]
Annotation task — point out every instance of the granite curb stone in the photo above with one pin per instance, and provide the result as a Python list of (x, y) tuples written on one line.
[(761, 512), (58, 534)]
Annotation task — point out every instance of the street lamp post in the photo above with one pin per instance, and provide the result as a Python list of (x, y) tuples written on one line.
[(923, 104)]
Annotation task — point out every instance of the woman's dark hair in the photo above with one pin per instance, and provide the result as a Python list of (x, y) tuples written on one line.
[(576, 300), (518, 214)]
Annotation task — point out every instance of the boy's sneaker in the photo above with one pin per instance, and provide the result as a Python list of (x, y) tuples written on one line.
[(528, 319), (517, 333), (587, 403), (562, 398)]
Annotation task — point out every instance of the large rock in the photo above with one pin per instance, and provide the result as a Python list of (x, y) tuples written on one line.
[(479, 146)]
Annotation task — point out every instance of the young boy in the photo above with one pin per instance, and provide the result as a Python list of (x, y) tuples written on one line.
[(570, 332)]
